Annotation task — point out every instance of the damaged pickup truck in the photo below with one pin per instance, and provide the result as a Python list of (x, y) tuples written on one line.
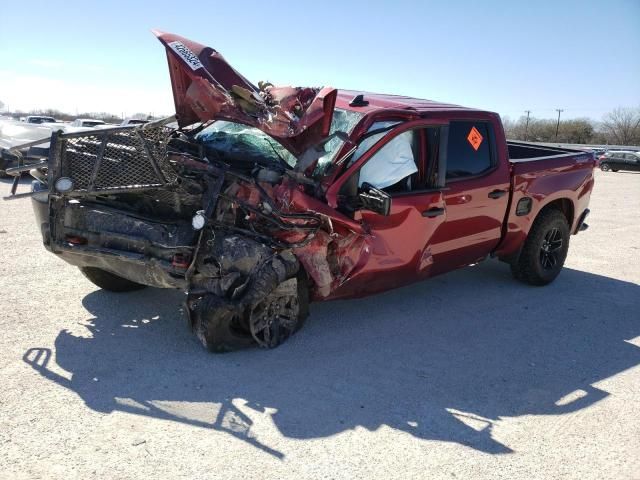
[(257, 200)]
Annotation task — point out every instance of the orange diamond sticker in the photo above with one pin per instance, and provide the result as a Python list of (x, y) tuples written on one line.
[(474, 138)]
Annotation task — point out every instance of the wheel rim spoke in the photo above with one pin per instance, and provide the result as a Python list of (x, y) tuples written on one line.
[(274, 320), (550, 250)]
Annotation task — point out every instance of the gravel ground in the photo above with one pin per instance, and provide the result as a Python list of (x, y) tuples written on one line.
[(468, 375)]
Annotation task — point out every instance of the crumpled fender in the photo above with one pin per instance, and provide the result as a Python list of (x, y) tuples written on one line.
[(335, 252)]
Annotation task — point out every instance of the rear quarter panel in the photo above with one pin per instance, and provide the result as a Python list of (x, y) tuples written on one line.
[(566, 177)]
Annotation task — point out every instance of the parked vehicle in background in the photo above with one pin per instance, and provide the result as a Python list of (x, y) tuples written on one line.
[(87, 123), (263, 198), (133, 121), (40, 119), (597, 153), (15, 133), (620, 160)]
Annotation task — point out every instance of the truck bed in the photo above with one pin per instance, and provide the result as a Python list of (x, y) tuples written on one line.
[(524, 151)]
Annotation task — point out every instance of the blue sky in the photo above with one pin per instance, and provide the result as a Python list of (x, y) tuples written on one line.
[(504, 56)]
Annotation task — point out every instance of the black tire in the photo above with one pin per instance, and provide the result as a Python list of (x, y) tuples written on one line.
[(614, 169), (605, 167), (545, 249), (304, 297), (109, 281), (221, 327)]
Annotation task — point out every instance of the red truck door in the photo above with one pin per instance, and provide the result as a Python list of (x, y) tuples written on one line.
[(400, 164), (476, 194)]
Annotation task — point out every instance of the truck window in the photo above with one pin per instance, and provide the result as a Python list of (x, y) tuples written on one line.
[(469, 149), (407, 163), (393, 165)]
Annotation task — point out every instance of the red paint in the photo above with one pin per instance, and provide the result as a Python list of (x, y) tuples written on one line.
[(370, 253), (208, 87)]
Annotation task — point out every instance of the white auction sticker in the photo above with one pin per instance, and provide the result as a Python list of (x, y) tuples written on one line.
[(187, 55)]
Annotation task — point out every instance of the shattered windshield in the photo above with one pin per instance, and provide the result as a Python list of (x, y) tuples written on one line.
[(343, 121), (238, 141)]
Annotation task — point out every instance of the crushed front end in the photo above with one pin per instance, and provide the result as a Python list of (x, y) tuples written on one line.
[(218, 201), (147, 204), (209, 212)]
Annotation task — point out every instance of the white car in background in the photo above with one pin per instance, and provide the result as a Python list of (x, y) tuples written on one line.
[(13, 133), (133, 121), (87, 123), (38, 119)]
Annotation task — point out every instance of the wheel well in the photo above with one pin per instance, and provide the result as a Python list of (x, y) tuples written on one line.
[(564, 205)]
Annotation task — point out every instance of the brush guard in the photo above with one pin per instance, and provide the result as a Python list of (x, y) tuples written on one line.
[(103, 161)]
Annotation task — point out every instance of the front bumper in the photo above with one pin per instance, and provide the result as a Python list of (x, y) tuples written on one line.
[(141, 250)]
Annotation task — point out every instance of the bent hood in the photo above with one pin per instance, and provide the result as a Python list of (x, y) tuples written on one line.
[(205, 87)]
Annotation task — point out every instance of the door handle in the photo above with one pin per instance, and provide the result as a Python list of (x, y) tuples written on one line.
[(433, 212), (497, 193)]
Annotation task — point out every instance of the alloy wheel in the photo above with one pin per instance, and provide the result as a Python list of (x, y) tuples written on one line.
[(550, 249)]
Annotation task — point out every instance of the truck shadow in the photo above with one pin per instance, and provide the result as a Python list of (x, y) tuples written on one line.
[(441, 360)]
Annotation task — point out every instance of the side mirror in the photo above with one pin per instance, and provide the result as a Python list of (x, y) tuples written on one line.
[(374, 199)]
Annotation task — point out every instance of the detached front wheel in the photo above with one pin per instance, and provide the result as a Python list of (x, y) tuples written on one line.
[(545, 249), (222, 326)]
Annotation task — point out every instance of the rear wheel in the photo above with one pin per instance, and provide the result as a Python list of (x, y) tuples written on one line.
[(545, 249), (605, 167), (109, 281)]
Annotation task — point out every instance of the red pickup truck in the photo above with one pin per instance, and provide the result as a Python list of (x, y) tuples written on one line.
[(260, 199)]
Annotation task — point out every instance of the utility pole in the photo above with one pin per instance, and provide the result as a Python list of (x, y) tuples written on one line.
[(558, 124), (526, 128)]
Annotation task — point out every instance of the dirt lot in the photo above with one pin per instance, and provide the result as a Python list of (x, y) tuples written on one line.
[(468, 375)]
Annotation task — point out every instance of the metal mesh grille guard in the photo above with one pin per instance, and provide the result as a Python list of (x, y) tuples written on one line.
[(124, 158)]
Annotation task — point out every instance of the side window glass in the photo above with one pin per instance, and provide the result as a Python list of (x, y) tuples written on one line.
[(392, 165), (468, 149), (382, 128)]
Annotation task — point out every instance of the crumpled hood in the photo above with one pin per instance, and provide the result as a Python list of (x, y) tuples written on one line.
[(206, 87)]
